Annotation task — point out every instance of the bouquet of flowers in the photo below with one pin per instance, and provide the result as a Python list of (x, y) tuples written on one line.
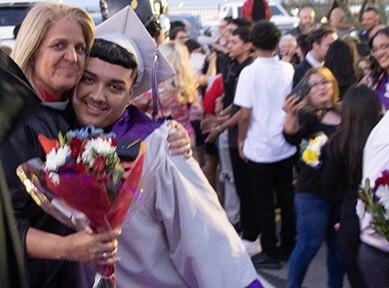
[(375, 201), (84, 184)]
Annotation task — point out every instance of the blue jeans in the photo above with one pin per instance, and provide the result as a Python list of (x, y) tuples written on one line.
[(316, 218)]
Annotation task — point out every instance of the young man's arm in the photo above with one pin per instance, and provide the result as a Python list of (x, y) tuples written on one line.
[(243, 126)]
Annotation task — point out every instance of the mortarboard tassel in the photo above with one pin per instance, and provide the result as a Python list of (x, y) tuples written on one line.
[(154, 86)]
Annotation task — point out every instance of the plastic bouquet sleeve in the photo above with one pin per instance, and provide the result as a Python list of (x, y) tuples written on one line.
[(84, 199)]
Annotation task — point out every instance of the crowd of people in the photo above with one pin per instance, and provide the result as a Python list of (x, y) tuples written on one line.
[(268, 128), (265, 131)]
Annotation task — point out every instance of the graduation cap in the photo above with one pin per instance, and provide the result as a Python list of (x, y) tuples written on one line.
[(126, 30)]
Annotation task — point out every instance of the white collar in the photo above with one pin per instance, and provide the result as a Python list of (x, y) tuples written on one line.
[(313, 61)]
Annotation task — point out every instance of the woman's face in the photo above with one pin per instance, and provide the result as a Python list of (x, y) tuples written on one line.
[(380, 50), (60, 59), (321, 92)]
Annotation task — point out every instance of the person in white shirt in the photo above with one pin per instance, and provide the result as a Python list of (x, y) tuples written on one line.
[(373, 255), (261, 91)]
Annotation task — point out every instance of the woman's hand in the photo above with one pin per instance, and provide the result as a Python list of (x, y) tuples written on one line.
[(291, 107), (87, 247), (179, 140)]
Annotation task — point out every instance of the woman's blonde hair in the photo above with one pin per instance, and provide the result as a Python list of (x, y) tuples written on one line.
[(35, 26), (183, 83), (326, 74)]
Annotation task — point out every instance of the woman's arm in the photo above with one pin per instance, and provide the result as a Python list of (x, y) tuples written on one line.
[(80, 246)]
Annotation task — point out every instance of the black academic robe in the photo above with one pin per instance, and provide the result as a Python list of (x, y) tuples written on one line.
[(21, 145), (22, 118)]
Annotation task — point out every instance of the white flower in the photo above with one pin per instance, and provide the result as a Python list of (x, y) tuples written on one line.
[(383, 193), (57, 158), (101, 146)]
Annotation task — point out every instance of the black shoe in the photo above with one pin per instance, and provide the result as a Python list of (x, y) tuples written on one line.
[(280, 253), (263, 261)]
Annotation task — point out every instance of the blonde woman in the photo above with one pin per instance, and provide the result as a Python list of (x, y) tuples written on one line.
[(52, 46), (309, 123), (177, 93)]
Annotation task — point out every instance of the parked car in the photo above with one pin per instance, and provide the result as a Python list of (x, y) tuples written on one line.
[(280, 16), (192, 23), (12, 13)]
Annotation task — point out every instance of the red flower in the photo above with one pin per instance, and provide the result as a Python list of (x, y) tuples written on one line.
[(80, 168), (75, 147), (383, 180), (99, 165)]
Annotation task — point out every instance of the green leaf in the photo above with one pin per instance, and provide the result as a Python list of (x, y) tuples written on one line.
[(61, 139)]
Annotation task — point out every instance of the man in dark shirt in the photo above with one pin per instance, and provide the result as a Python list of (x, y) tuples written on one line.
[(306, 22), (321, 40), (371, 23)]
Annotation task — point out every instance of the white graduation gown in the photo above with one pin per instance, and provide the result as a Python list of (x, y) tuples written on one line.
[(375, 161), (178, 235)]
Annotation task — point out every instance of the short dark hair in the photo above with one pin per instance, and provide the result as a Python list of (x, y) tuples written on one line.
[(241, 22), (192, 45), (173, 32), (114, 54), (320, 33), (372, 9), (303, 41), (177, 23), (265, 35), (227, 19), (243, 33)]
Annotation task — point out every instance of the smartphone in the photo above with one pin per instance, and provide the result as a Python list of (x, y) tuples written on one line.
[(301, 90)]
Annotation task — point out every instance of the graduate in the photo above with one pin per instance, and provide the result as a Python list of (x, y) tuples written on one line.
[(179, 235)]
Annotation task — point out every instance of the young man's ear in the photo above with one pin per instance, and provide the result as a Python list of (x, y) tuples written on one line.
[(248, 46)]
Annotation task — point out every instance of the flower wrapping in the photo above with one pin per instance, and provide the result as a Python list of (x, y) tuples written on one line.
[(84, 184), (375, 201)]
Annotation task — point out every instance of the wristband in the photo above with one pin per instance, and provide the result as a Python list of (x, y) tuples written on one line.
[(218, 129)]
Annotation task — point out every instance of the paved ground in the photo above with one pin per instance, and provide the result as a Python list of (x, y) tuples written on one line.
[(316, 276)]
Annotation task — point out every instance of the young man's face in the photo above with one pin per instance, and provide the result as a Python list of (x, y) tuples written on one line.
[(236, 47), (103, 93), (370, 19), (325, 43)]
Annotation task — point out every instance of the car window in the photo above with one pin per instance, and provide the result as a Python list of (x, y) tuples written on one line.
[(229, 12), (195, 22), (11, 16), (275, 11)]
